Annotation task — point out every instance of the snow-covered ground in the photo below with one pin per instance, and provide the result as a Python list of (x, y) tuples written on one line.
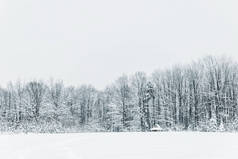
[(120, 146)]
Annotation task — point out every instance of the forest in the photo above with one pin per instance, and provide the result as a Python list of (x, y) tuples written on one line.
[(200, 96)]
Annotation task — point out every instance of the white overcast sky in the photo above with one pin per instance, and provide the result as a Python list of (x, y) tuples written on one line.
[(95, 41)]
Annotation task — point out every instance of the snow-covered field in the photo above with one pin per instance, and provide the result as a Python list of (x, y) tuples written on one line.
[(120, 146)]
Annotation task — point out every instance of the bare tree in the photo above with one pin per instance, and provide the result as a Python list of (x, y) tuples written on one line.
[(36, 92), (139, 81)]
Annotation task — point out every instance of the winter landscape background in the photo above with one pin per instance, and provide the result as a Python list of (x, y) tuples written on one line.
[(92, 50), (201, 96)]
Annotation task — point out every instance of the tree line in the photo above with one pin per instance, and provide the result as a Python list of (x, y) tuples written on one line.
[(201, 96)]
